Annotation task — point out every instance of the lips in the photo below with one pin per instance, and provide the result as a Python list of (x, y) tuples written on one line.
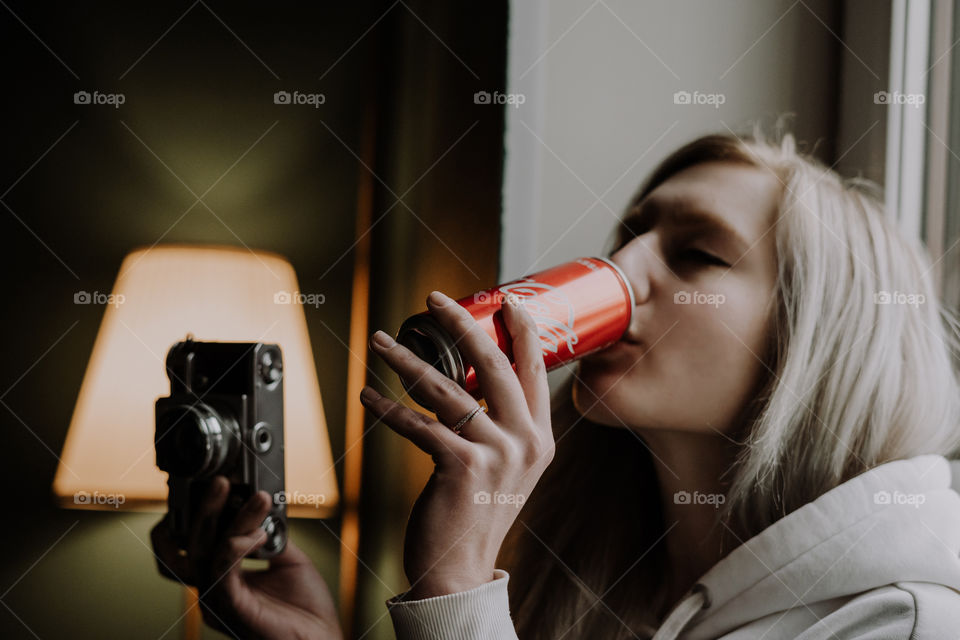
[(628, 344), (618, 346), (632, 334)]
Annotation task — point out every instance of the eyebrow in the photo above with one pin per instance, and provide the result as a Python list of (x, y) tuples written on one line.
[(682, 214)]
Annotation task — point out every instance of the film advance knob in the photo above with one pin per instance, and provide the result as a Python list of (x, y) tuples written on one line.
[(271, 367)]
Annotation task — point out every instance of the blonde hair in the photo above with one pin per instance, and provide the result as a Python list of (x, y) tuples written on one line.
[(861, 372)]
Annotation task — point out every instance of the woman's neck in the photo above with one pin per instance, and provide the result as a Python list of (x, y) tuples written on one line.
[(690, 470)]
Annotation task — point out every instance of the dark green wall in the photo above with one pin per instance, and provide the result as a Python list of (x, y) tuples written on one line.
[(198, 98)]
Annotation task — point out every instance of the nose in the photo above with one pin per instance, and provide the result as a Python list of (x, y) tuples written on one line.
[(634, 260)]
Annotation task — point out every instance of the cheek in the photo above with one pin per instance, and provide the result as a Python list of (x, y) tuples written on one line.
[(725, 321), (724, 346), (711, 361), (701, 372), (746, 324)]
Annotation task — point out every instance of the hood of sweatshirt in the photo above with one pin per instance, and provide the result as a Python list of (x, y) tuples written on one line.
[(898, 522)]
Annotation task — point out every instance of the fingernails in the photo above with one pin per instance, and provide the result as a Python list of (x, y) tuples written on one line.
[(438, 299), (367, 394), (516, 304), (383, 339)]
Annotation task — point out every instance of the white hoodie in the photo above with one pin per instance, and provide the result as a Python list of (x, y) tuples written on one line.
[(877, 557)]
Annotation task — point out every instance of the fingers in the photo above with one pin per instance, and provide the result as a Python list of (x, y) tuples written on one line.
[(204, 530), (428, 435), (224, 596), (234, 549), (290, 556), (242, 537), (495, 374), (452, 402), (170, 563), (528, 354), (250, 516)]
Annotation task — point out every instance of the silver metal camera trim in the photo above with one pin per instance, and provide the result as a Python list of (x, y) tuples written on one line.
[(276, 365), (261, 427), (276, 532)]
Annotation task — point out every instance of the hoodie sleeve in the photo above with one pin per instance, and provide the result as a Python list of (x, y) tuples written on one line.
[(481, 613)]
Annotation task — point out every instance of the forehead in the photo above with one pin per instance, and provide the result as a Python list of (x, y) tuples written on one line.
[(744, 196)]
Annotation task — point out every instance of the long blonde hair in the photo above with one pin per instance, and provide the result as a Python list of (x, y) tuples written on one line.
[(861, 373)]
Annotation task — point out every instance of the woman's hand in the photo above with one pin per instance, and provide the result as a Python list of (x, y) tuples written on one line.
[(288, 600), (483, 475)]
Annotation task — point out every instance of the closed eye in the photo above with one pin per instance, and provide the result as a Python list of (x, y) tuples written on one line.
[(699, 255)]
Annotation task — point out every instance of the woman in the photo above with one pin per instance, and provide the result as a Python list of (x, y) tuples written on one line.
[(764, 454)]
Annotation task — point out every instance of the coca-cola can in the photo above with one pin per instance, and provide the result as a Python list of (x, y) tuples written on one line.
[(580, 307)]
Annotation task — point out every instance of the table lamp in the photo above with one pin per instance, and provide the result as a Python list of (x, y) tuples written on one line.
[(162, 294)]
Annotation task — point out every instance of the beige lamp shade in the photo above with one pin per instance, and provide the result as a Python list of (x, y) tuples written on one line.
[(163, 293)]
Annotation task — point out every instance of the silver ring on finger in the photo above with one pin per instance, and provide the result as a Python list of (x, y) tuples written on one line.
[(467, 418)]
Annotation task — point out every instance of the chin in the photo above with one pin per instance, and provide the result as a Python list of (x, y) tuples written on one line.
[(585, 401)]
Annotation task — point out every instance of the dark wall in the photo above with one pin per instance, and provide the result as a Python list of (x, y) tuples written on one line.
[(83, 184), (444, 155)]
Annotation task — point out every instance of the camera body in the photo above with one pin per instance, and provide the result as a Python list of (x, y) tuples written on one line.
[(224, 416)]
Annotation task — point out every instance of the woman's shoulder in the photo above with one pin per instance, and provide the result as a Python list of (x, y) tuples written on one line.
[(936, 609), (955, 474), (903, 610)]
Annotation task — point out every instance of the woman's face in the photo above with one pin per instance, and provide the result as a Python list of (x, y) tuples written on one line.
[(703, 270)]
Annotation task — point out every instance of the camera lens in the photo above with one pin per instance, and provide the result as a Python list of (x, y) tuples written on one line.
[(194, 440)]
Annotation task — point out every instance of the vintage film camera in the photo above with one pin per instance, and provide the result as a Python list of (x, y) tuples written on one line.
[(224, 416)]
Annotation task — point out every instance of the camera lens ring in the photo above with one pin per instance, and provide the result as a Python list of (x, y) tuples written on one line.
[(194, 440)]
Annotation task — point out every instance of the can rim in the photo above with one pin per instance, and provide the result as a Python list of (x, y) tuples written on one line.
[(625, 281), (451, 360)]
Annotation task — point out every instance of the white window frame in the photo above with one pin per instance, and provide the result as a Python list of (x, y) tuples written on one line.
[(905, 181), (942, 218)]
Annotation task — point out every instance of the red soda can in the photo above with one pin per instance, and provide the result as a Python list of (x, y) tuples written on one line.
[(580, 307)]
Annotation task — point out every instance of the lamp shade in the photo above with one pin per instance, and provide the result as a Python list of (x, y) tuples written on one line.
[(163, 293)]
